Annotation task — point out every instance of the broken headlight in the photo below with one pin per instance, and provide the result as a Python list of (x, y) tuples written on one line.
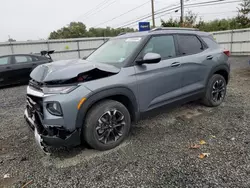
[(54, 108), (59, 90)]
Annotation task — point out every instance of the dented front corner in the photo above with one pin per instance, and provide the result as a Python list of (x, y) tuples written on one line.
[(66, 139)]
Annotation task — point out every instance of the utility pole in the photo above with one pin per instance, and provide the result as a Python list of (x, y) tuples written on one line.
[(153, 13), (182, 12)]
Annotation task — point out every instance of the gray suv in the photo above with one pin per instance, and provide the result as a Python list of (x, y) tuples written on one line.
[(96, 99)]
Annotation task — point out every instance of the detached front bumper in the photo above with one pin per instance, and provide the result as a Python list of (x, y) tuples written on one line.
[(54, 130), (45, 140)]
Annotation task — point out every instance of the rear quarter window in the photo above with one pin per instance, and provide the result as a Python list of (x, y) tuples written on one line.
[(42, 58), (34, 58), (210, 41)]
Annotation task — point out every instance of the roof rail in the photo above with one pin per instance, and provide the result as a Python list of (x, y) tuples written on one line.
[(174, 28)]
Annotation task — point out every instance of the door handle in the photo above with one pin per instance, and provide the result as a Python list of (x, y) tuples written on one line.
[(175, 64), (209, 57), (8, 67)]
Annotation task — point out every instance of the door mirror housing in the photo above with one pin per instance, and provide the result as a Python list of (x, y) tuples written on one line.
[(150, 58)]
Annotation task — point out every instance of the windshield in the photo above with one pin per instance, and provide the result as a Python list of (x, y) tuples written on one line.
[(115, 51)]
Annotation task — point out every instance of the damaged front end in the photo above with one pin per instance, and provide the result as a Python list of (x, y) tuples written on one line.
[(90, 75), (48, 136), (51, 108)]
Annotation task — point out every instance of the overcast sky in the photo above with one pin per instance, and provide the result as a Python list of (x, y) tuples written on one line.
[(35, 19)]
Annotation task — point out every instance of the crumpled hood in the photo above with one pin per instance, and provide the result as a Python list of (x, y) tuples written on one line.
[(67, 69)]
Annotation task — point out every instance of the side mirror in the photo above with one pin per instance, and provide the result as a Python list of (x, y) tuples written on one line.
[(150, 58)]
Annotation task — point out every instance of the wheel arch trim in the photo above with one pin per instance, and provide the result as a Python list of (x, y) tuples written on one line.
[(223, 67), (101, 95)]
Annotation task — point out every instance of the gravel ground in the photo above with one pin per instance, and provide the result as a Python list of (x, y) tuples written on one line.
[(156, 154)]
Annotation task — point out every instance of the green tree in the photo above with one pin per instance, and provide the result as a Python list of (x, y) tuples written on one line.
[(189, 21), (78, 29), (243, 17), (170, 23), (11, 40), (73, 30), (242, 20), (244, 7)]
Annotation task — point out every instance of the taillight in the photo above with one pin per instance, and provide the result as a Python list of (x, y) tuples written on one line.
[(227, 52)]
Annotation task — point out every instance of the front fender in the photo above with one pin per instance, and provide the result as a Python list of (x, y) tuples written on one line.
[(100, 95)]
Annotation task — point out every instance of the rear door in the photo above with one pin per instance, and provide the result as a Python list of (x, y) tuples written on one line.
[(194, 62), (5, 70), (159, 83), (23, 65), (38, 60)]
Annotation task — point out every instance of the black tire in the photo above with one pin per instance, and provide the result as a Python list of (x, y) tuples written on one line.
[(210, 98), (90, 128)]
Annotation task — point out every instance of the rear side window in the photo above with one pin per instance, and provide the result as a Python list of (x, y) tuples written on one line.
[(34, 58), (163, 45), (189, 44), (4, 60), (23, 59)]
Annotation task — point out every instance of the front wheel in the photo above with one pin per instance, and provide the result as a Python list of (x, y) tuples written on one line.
[(107, 125), (215, 91)]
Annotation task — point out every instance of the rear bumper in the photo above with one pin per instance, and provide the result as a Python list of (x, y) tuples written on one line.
[(45, 140)]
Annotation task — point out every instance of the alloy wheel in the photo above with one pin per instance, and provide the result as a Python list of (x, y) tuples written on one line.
[(218, 91), (110, 126)]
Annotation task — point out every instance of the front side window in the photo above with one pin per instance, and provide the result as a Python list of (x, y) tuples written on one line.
[(189, 44), (163, 45), (115, 51), (4, 60), (23, 59)]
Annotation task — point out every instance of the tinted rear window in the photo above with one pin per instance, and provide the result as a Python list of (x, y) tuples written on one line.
[(189, 44)]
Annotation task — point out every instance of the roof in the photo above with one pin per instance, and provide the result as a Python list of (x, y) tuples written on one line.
[(165, 30)]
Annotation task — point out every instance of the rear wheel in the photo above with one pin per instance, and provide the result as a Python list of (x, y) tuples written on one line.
[(107, 125), (215, 91)]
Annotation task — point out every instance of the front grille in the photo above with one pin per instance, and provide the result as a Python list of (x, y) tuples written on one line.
[(35, 85), (35, 103), (35, 111)]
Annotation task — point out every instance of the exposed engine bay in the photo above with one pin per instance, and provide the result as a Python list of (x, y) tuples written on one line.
[(82, 77), (71, 71)]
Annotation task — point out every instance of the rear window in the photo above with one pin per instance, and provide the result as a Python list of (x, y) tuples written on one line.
[(189, 44)]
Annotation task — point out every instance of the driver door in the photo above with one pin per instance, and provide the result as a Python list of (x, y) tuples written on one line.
[(159, 83)]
